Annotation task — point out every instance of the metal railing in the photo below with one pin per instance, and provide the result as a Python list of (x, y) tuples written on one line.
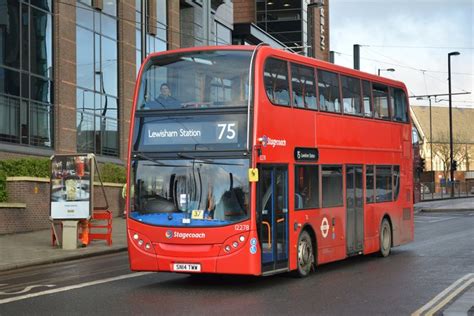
[(434, 191)]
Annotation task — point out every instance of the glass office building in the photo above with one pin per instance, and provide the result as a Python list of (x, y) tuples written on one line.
[(68, 68)]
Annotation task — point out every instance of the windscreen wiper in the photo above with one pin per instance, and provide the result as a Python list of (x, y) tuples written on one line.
[(156, 162), (206, 161)]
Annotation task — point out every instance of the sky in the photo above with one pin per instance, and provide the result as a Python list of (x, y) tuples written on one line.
[(412, 36)]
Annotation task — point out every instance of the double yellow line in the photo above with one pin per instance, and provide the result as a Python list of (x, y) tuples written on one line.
[(443, 298)]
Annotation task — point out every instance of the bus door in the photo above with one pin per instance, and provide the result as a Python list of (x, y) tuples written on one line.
[(272, 213), (354, 210)]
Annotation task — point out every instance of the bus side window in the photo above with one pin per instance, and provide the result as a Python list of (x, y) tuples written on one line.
[(276, 81), (367, 98), (400, 112), (351, 95), (328, 85), (303, 84), (380, 94)]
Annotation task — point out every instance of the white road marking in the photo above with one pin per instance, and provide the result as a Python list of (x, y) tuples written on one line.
[(27, 289), (432, 219), (72, 287), (445, 296)]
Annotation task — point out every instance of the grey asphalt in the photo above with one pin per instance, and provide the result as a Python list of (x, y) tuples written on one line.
[(34, 248), (413, 275)]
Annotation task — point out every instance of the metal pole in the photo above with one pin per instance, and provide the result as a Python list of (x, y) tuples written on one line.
[(331, 57), (357, 56), (451, 123), (143, 30), (378, 72), (206, 16), (431, 139)]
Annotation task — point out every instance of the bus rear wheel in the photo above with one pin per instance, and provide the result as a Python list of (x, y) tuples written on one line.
[(385, 238), (305, 255)]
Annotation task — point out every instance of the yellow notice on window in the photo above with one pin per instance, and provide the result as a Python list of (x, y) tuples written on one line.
[(253, 175), (197, 214)]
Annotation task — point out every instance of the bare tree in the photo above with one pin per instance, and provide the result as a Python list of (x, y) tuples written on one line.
[(442, 151)]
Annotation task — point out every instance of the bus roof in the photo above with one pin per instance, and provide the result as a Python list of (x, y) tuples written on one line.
[(288, 56)]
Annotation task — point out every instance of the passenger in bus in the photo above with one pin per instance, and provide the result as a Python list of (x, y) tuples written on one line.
[(165, 100)]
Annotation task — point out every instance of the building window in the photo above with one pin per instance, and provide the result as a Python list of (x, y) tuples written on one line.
[(97, 79), (26, 85), (306, 187), (285, 20), (155, 28), (332, 186)]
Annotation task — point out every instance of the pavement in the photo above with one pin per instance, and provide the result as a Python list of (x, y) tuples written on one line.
[(453, 205), (35, 248)]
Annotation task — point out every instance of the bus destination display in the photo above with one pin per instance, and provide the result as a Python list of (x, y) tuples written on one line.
[(191, 133)]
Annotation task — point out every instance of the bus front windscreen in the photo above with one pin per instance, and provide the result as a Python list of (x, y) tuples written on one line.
[(190, 192), (206, 79)]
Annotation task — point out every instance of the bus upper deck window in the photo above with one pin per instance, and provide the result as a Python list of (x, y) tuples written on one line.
[(303, 86), (276, 81), (380, 95), (328, 85), (351, 95), (400, 109)]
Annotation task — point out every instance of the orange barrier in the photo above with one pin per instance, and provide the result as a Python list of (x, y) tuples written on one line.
[(100, 227), (101, 220)]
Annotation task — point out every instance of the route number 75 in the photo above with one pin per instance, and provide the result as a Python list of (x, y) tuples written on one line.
[(226, 130)]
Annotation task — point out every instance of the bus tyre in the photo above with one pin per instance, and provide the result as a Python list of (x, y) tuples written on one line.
[(305, 259), (385, 238)]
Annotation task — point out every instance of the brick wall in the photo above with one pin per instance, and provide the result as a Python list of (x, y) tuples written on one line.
[(127, 70), (244, 11), (64, 43), (35, 216)]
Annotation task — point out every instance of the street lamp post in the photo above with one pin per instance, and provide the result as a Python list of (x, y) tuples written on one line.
[(451, 123), (388, 69)]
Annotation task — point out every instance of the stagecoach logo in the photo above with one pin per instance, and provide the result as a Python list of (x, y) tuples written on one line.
[(265, 140), (170, 234)]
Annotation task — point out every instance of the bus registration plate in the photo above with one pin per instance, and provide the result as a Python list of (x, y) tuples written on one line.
[(188, 267)]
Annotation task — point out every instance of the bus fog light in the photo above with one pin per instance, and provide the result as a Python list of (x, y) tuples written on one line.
[(135, 236), (140, 242), (147, 246), (227, 248), (235, 244), (241, 238)]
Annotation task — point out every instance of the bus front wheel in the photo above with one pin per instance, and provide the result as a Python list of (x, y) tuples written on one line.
[(305, 255), (385, 238)]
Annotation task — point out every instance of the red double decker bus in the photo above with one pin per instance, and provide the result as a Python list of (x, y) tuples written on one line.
[(253, 160)]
